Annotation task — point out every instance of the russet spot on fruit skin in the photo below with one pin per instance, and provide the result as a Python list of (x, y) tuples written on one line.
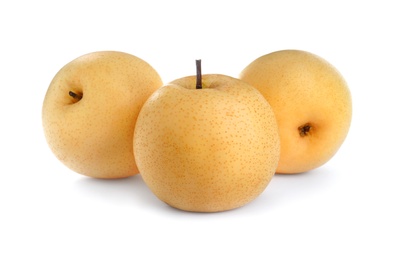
[(312, 104), (90, 109), (200, 150)]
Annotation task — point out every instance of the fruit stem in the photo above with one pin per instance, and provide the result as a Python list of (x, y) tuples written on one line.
[(75, 95), (199, 74)]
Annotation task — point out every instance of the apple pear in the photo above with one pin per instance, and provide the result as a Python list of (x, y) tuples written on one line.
[(312, 104), (206, 143), (90, 110)]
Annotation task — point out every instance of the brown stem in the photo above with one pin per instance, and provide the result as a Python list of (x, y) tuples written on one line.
[(75, 95), (199, 74)]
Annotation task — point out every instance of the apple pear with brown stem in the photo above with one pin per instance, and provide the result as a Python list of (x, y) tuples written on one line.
[(90, 109), (206, 143)]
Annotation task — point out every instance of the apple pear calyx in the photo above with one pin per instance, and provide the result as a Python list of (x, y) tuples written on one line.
[(199, 74), (75, 95), (305, 129)]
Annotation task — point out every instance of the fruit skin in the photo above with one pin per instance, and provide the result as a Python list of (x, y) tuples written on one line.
[(206, 150), (93, 136), (304, 90)]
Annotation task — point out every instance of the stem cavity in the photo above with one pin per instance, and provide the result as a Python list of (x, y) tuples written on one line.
[(199, 74)]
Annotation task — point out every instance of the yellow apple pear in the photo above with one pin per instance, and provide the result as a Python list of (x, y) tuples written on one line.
[(206, 143), (90, 109), (312, 104)]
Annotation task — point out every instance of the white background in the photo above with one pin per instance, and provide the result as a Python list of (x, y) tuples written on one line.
[(342, 210)]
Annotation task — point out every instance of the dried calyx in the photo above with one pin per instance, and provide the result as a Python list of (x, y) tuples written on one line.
[(305, 129)]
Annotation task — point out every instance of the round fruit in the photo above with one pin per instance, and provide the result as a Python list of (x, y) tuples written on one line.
[(206, 147), (312, 104), (90, 110)]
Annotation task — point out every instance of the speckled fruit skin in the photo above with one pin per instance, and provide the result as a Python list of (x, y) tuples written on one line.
[(93, 136), (206, 150), (305, 92)]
